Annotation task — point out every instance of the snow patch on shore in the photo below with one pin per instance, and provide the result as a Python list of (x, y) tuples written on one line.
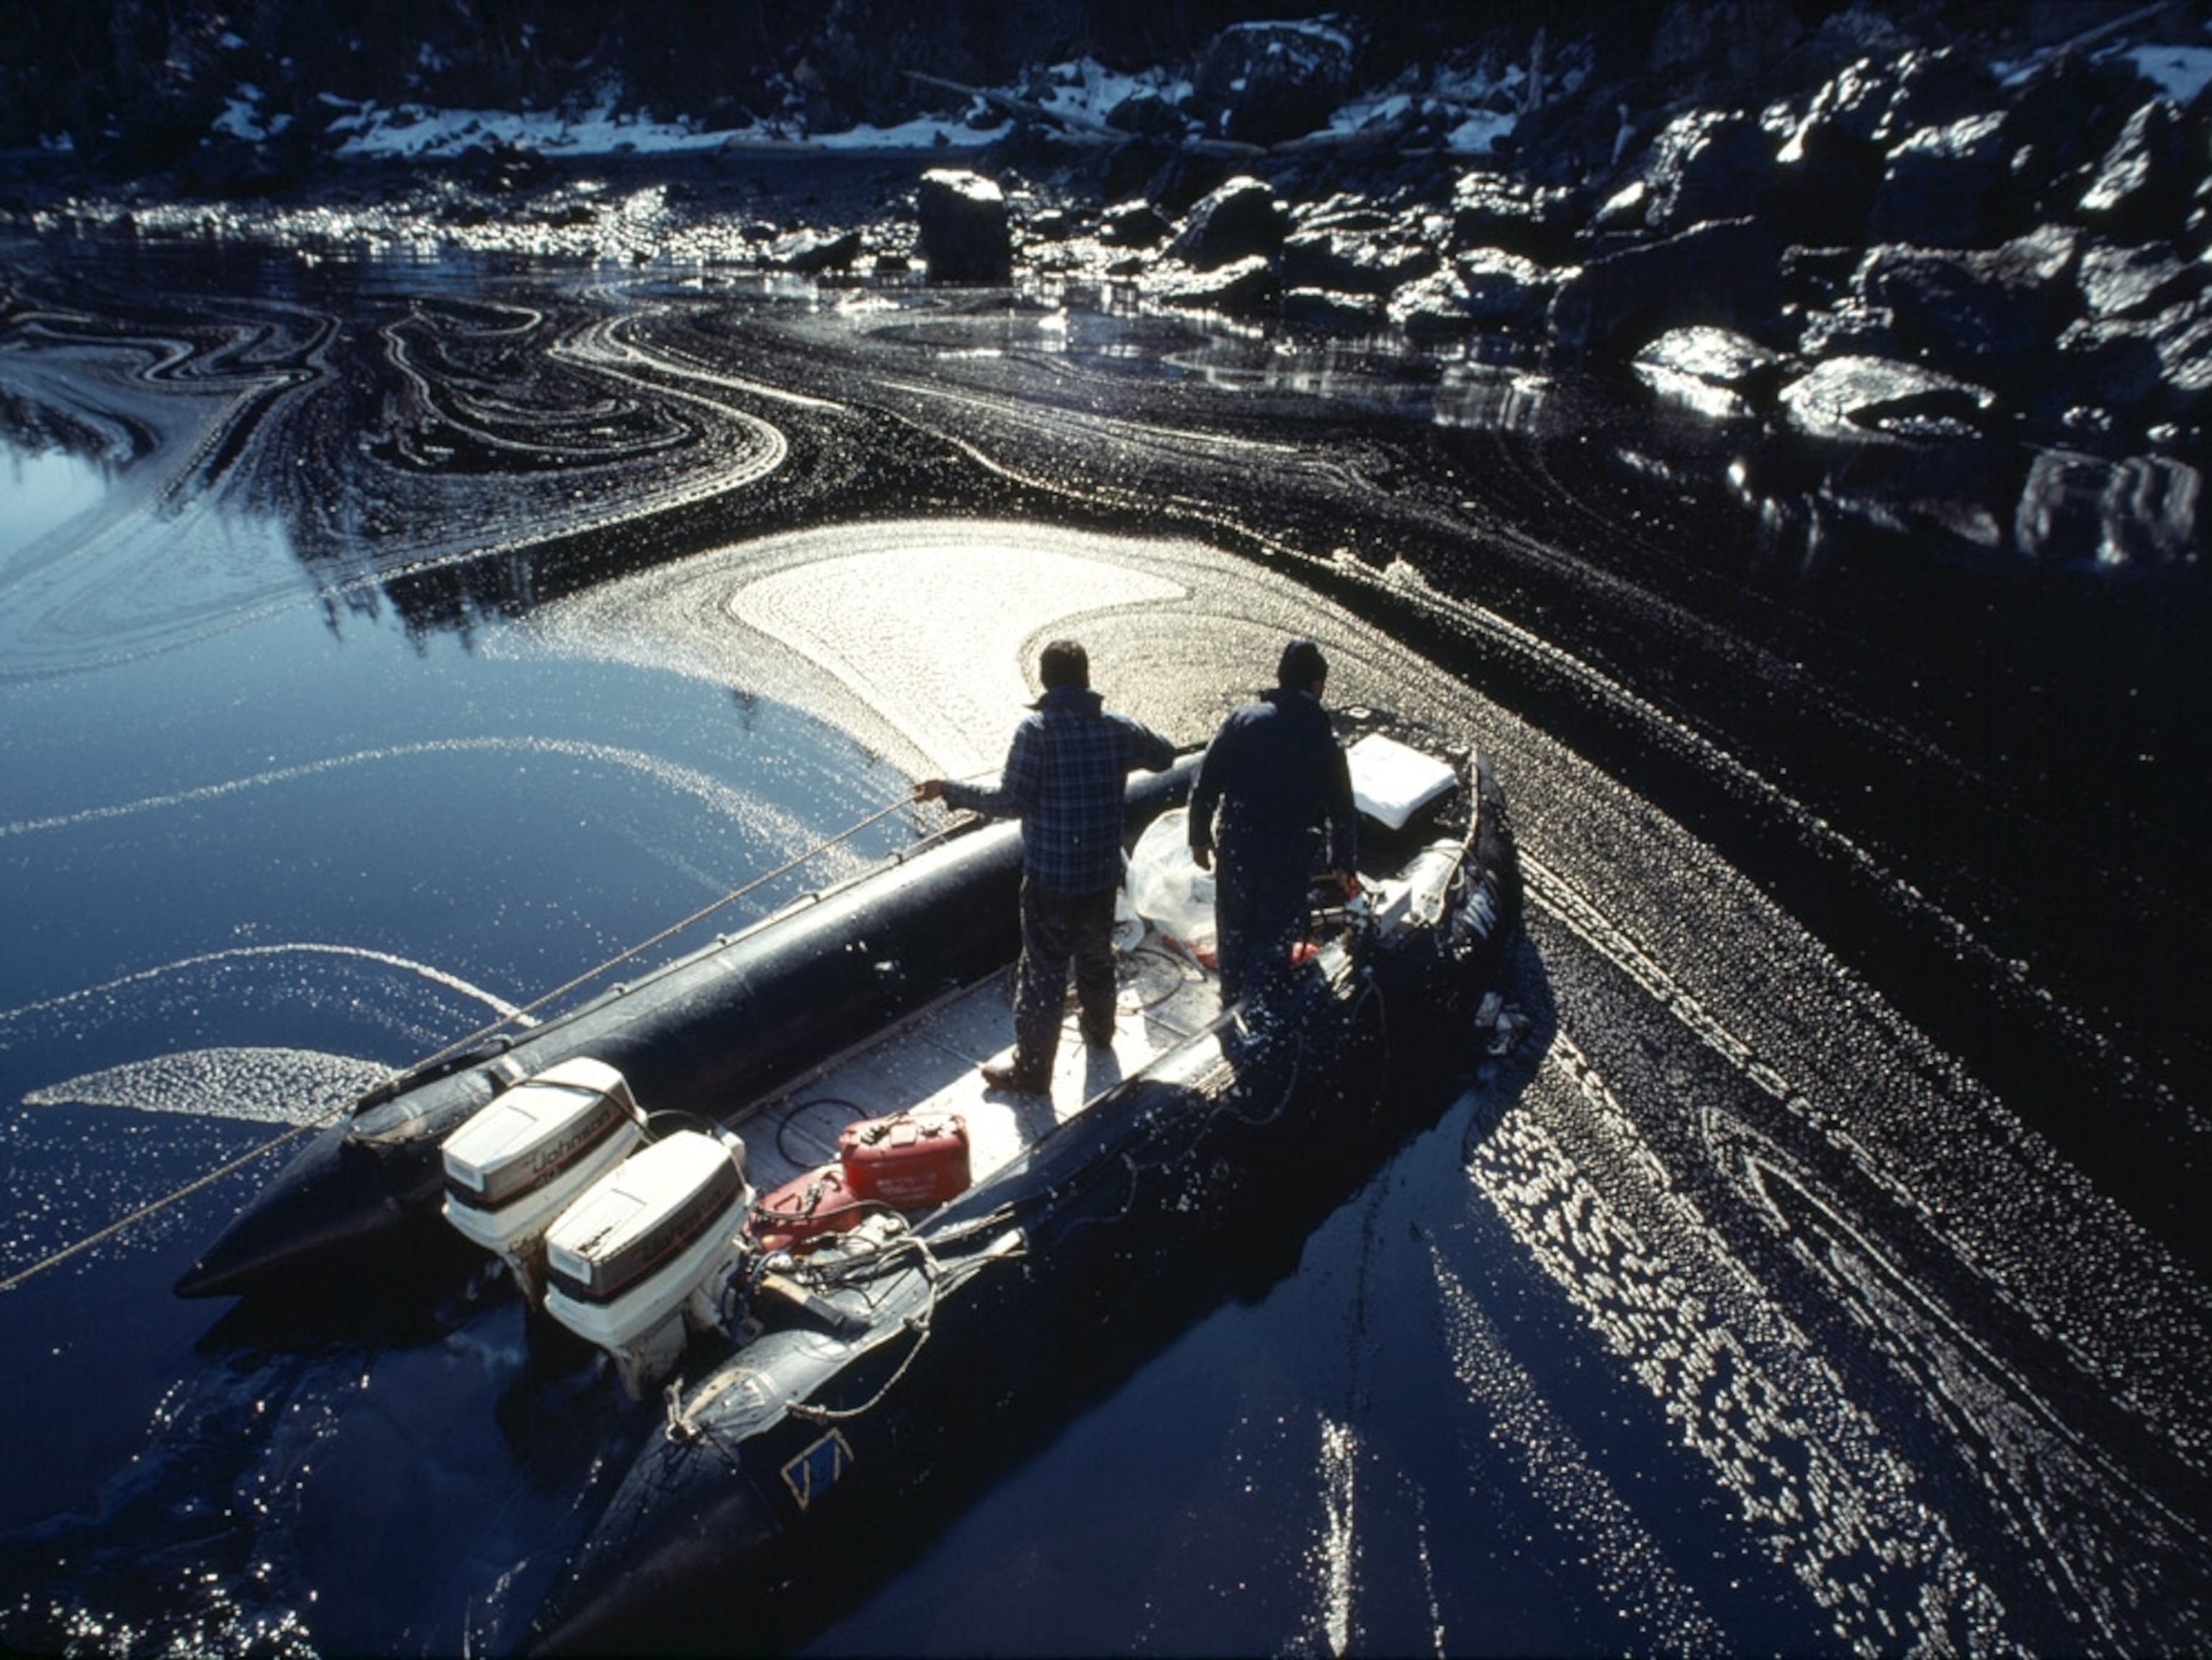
[(1479, 107)]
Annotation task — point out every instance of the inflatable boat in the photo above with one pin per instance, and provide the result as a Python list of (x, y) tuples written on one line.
[(697, 1038), (902, 1260), (769, 1192)]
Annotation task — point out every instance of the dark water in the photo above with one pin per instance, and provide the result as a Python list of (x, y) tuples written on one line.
[(383, 646)]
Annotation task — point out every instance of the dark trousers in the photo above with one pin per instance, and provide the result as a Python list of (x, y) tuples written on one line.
[(1258, 915), (1060, 932)]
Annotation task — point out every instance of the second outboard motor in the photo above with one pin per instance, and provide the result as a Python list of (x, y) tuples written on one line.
[(636, 1264)]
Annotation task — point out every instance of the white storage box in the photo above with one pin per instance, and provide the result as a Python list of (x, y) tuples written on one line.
[(1391, 782)]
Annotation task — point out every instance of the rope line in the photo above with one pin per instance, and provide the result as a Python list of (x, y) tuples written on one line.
[(151, 1208), (231, 1166), (461, 1044)]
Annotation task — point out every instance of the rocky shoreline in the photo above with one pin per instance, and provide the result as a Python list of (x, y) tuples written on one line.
[(1876, 232)]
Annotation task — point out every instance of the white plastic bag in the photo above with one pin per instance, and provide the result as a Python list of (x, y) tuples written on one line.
[(1168, 888)]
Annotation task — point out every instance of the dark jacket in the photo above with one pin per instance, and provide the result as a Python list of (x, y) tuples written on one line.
[(1277, 779)]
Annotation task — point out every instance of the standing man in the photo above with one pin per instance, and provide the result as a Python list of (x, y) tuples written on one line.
[(1065, 773), (1279, 779)]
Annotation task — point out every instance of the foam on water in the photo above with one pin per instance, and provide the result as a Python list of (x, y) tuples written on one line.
[(906, 626), (1833, 1193), (1854, 1091), (1809, 1472), (1337, 1549), (261, 1086)]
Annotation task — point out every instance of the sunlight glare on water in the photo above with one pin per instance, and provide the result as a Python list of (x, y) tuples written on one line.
[(42, 490), (922, 636), (1730, 1313), (934, 627)]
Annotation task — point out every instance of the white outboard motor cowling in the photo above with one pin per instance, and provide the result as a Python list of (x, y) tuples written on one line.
[(521, 1159), (636, 1264)]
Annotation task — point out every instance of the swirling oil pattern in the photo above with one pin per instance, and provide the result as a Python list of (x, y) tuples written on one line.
[(385, 644)]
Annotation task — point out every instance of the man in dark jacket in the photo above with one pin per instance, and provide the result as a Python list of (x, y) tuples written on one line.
[(1277, 779), (1065, 777)]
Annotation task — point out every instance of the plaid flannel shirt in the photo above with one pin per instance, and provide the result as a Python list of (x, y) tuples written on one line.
[(1065, 773)]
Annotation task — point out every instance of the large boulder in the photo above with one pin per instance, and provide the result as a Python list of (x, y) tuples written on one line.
[(2137, 281), (809, 250), (965, 237), (1135, 223), (1485, 290), (1714, 372), (2104, 372), (1851, 108), (1261, 83), (1704, 166), (1988, 315), (1932, 86), (2087, 510), (1354, 261), (1938, 186), (1240, 219), (1831, 163), (1239, 286), (1726, 272), (1817, 277), (1873, 397), (2148, 369), (1834, 156), (1330, 310), (1849, 328), (2065, 117), (2141, 185), (1500, 210)]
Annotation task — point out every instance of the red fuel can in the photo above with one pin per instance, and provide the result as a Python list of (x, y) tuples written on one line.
[(820, 1201), (909, 1161)]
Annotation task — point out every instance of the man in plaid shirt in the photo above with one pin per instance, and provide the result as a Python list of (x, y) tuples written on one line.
[(1064, 778)]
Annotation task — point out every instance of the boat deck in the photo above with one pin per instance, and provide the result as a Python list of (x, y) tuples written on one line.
[(929, 1064)]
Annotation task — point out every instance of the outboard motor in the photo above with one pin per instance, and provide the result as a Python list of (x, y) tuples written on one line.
[(521, 1159), (637, 1265)]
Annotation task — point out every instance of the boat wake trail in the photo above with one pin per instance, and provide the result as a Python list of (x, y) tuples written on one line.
[(720, 799)]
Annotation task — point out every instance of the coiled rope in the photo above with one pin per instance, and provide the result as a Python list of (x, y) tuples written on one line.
[(461, 1045)]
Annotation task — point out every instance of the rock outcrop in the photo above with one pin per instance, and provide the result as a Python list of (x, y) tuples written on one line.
[(1928, 219), (965, 236), (1913, 238)]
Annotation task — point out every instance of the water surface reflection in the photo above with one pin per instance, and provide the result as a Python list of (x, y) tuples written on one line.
[(380, 645)]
